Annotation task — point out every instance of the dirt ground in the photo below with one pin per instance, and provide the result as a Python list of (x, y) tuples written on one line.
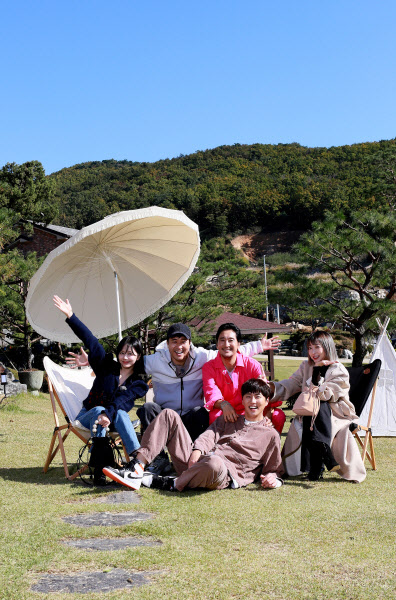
[(255, 245)]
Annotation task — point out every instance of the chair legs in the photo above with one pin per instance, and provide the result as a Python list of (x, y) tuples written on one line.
[(51, 452), (60, 437), (57, 436), (372, 461), (368, 440)]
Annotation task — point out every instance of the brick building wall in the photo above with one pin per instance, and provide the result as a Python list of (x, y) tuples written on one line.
[(41, 242), (44, 238)]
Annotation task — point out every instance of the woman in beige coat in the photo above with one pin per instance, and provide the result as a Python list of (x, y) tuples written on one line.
[(330, 441)]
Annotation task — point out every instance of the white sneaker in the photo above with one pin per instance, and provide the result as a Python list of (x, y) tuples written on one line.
[(130, 476)]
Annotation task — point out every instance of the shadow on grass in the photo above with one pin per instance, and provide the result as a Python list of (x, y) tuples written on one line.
[(294, 482), (302, 482), (35, 475), (55, 476), (189, 493)]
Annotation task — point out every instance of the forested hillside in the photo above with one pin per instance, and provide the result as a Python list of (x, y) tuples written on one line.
[(230, 189)]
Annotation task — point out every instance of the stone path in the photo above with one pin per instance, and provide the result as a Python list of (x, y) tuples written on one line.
[(85, 583), (113, 579), (106, 519)]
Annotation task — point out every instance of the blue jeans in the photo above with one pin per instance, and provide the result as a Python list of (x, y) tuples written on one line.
[(122, 424)]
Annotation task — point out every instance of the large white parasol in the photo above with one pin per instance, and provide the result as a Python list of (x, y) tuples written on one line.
[(115, 272)]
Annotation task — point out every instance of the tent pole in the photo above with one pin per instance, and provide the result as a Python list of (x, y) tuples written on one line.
[(118, 307), (382, 328)]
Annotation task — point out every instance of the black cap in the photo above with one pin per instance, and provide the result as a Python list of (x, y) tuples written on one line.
[(178, 329)]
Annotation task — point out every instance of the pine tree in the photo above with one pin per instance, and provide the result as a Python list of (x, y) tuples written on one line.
[(347, 273), (27, 195)]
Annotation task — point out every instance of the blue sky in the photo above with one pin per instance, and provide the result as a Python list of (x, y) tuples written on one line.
[(143, 81)]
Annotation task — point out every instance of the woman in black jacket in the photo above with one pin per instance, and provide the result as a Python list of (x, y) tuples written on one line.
[(116, 386)]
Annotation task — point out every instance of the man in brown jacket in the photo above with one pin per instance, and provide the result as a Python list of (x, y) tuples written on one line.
[(227, 454)]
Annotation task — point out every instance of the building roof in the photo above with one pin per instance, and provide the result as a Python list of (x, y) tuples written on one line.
[(68, 231), (64, 231), (247, 325)]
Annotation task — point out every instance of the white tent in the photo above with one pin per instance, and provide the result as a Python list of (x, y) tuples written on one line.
[(384, 416)]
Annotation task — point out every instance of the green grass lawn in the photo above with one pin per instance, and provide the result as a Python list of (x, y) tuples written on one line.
[(284, 367), (320, 540)]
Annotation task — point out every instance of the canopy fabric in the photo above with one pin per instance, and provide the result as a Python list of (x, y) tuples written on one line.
[(152, 250), (384, 415)]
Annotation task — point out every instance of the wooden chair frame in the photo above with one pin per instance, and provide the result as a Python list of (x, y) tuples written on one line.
[(60, 434), (368, 438)]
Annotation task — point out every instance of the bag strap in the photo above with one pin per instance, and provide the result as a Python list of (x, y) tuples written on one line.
[(314, 394), (284, 456)]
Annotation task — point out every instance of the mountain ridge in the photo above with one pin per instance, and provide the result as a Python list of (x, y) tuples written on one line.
[(233, 190)]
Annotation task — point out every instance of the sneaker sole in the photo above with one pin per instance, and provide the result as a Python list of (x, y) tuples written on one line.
[(133, 484)]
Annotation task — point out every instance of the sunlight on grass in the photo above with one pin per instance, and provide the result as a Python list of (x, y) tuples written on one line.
[(322, 540)]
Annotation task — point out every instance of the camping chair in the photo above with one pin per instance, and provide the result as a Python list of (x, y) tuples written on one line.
[(363, 380), (68, 388)]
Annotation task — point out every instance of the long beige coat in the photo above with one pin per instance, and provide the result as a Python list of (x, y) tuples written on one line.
[(334, 389)]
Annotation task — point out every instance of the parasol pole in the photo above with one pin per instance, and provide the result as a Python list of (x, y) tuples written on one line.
[(108, 259), (118, 307)]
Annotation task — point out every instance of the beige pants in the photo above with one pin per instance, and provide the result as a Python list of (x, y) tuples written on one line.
[(168, 430)]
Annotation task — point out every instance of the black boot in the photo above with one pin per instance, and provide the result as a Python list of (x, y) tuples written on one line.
[(316, 474), (315, 462), (328, 458)]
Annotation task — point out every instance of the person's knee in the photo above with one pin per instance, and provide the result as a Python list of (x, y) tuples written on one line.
[(210, 473), (216, 465), (168, 412), (170, 415)]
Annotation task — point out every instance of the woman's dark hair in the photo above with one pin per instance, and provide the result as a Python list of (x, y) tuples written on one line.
[(227, 326), (131, 342), (256, 386)]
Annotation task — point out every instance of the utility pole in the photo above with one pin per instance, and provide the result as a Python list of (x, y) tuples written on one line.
[(265, 287)]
